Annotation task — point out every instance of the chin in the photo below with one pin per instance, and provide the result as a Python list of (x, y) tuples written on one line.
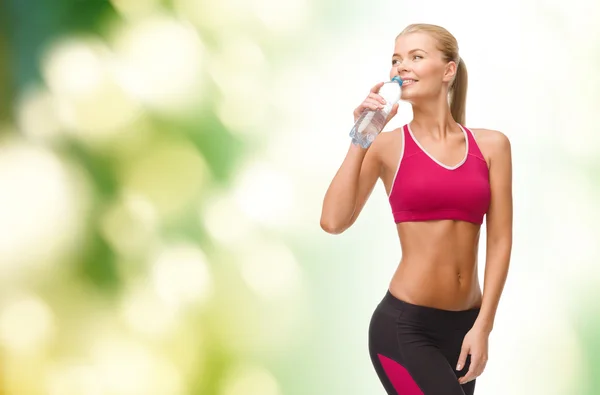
[(410, 97)]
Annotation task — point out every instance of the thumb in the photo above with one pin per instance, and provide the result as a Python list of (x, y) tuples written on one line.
[(462, 359)]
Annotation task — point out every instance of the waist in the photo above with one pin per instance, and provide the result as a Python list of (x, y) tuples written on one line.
[(445, 284), (439, 264)]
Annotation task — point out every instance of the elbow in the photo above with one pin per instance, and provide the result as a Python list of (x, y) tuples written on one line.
[(335, 219), (332, 227)]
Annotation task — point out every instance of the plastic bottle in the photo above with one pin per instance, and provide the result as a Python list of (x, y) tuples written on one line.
[(371, 123)]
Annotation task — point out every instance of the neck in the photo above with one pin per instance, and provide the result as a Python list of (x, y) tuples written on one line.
[(434, 118)]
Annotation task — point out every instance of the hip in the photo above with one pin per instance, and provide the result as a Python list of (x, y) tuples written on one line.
[(397, 323)]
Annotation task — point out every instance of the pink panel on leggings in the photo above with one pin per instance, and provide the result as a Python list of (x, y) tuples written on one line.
[(401, 380)]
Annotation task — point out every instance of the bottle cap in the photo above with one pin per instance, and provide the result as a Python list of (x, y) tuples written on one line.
[(398, 80)]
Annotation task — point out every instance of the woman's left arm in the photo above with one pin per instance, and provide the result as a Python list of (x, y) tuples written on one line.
[(499, 223)]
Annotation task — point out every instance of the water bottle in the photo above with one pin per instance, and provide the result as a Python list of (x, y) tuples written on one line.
[(371, 123)]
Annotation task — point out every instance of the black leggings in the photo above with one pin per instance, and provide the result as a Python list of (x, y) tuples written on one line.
[(415, 349)]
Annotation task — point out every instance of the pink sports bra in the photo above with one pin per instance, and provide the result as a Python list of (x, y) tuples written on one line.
[(425, 189)]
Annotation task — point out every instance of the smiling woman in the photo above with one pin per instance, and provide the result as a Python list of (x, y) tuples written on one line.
[(446, 49), (429, 334)]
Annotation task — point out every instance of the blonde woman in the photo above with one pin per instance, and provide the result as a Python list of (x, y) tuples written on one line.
[(429, 334)]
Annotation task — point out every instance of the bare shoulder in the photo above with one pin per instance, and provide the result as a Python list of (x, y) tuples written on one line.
[(389, 135), (492, 142), (386, 141), (386, 150)]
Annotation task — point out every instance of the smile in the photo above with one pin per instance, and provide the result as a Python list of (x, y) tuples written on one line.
[(408, 82)]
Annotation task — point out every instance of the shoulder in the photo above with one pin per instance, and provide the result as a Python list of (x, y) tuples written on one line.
[(492, 142), (384, 150), (389, 136), (387, 140)]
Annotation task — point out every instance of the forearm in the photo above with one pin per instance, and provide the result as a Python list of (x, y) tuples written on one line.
[(496, 272), (340, 199)]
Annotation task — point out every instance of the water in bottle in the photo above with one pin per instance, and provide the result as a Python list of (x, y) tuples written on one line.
[(371, 123)]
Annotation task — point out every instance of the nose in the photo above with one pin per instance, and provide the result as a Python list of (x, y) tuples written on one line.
[(401, 66)]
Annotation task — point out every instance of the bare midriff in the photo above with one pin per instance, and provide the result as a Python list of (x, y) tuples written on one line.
[(438, 267)]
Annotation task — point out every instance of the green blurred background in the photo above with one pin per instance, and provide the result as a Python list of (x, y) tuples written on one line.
[(162, 167)]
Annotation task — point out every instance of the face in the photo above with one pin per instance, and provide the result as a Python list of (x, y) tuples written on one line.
[(421, 66)]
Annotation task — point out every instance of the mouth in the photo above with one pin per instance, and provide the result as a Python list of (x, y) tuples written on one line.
[(408, 82)]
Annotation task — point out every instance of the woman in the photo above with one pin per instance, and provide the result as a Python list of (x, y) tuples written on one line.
[(429, 334)]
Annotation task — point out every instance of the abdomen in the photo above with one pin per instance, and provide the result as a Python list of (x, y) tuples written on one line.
[(439, 264)]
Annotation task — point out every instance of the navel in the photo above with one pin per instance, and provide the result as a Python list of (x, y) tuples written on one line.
[(459, 277)]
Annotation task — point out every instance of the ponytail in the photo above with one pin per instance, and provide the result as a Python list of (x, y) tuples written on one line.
[(458, 93)]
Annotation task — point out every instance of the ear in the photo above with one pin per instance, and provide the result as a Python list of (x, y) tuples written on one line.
[(450, 71)]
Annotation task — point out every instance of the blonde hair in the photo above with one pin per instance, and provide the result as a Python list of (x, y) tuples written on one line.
[(449, 46)]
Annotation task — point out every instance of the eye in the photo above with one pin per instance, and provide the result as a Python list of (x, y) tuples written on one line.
[(417, 56), (394, 61)]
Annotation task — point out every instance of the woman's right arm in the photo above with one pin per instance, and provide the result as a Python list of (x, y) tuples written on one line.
[(350, 188), (355, 179)]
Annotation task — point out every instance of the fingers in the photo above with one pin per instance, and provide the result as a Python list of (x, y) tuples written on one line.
[(372, 102), (376, 88), (376, 97), (367, 105), (475, 369), (462, 358)]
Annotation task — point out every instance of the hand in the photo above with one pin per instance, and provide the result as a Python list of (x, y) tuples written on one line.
[(374, 102), (475, 343)]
